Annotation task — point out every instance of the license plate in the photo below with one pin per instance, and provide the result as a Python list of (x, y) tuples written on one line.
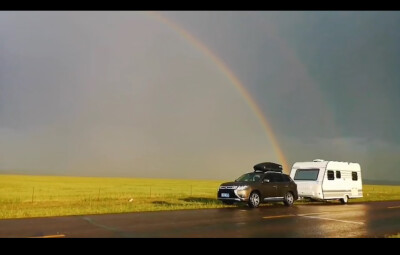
[(224, 194)]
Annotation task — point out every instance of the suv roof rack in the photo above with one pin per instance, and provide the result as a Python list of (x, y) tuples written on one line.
[(268, 167), (268, 171)]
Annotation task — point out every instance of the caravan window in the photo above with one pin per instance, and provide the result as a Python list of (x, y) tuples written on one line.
[(354, 176), (331, 175), (338, 175), (306, 174)]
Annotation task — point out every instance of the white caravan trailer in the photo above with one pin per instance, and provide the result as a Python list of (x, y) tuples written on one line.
[(326, 180)]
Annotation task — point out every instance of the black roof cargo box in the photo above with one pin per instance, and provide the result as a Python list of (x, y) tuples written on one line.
[(268, 166)]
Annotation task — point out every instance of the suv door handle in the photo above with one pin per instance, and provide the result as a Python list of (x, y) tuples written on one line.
[(275, 186)]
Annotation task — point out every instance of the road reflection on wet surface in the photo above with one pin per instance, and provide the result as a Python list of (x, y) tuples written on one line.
[(377, 219)]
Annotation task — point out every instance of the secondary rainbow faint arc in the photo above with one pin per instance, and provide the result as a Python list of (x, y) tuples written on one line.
[(235, 81)]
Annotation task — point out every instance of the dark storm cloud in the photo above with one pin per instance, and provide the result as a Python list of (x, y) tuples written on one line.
[(328, 81), (117, 94), (304, 67), (123, 94)]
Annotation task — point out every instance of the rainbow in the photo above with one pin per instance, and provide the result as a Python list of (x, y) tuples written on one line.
[(235, 81)]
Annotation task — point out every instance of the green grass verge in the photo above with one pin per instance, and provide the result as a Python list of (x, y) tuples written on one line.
[(36, 196), (379, 193)]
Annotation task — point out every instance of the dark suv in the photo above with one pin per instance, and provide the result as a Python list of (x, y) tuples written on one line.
[(266, 184)]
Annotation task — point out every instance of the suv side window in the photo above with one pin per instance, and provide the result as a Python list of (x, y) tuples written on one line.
[(286, 178), (276, 177), (269, 177)]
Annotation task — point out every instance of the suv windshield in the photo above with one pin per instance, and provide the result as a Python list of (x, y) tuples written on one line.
[(250, 177)]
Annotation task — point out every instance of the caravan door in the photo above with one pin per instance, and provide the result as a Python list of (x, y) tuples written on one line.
[(307, 182)]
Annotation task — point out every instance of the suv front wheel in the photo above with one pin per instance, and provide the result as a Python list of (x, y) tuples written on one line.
[(254, 199), (289, 199)]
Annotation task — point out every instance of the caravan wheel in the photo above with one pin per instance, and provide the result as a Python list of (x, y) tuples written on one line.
[(344, 200)]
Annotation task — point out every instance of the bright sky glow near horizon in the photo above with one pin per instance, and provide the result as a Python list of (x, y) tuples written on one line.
[(198, 95)]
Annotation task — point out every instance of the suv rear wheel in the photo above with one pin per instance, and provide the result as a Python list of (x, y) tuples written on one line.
[(289, 199), (254, 199)]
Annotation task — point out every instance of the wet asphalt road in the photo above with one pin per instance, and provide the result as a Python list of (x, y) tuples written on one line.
[(376, 219)]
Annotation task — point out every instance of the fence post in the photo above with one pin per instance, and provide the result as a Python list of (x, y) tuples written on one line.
[(33, 193)]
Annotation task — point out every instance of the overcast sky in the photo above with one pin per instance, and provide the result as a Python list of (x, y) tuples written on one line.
[(125, 94)]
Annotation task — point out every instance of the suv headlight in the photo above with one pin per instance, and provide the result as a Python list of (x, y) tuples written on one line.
[(242, 187)]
